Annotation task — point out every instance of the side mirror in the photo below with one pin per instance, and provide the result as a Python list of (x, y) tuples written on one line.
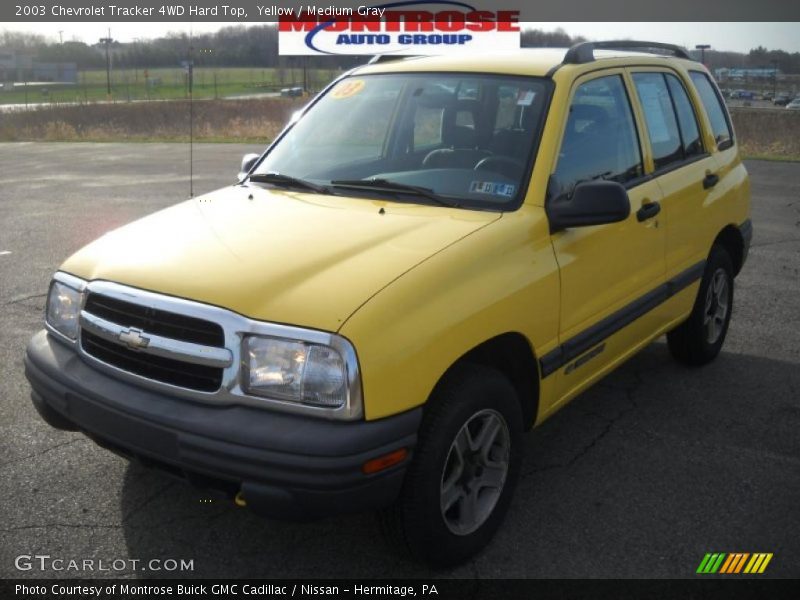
[(594, 202), (248, 160)]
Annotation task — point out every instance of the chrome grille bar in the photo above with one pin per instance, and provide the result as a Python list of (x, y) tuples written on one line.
[(156, 345)]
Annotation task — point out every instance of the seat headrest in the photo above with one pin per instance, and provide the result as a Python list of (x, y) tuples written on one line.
[(459, 136)]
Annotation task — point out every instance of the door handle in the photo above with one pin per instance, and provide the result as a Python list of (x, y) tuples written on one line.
[(648, 211), (710, 181)]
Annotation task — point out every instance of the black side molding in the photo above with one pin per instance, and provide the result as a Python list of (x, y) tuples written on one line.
[(577, 345)]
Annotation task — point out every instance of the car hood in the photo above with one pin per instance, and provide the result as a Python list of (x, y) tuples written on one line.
[(294, 258)]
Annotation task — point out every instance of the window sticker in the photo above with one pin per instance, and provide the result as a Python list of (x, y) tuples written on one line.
[(347, 89), (525, 97), (492, 187)]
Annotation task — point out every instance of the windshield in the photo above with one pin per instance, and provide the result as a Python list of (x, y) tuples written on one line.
[(466, 137)]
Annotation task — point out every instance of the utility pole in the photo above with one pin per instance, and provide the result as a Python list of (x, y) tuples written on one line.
[(107, 41), (61, 36), (702, 48)]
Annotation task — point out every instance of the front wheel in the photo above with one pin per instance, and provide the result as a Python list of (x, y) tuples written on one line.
[(465, 468), (699, 339)]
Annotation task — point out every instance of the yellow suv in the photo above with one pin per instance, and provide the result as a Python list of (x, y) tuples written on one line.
[(433, 257)]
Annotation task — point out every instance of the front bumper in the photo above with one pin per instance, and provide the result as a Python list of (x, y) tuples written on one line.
[(285, 466)]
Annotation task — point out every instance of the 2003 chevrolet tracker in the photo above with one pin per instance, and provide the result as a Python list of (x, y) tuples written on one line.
[(434, 257)]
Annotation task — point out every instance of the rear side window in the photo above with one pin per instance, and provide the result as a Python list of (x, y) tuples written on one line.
[(662, 125), (713, 105), (600, 140), (690, 132)]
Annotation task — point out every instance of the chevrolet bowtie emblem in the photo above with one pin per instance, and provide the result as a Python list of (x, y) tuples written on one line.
[(133, 338)]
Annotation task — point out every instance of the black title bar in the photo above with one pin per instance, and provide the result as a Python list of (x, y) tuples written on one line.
[(264, 11), (732, 588)]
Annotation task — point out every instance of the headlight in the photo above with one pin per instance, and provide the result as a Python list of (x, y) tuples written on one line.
[(295, 371), (64, 309)]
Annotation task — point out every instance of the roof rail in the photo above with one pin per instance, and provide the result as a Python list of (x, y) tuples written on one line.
[(584, 51)]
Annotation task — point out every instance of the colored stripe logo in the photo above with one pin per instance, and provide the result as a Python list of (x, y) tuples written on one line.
[(734, 562)]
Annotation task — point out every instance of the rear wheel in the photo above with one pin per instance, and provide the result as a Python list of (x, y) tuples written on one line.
[(458, 487), (699, 339)]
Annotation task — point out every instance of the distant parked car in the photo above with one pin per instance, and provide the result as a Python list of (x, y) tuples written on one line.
[(794, 104), (293, 92), (742, 95), (782, 100)]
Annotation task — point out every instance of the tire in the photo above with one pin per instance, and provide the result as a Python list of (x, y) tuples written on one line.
[(473, 404), (698, 340)]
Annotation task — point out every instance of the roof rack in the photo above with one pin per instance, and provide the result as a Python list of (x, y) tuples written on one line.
[(382, 58), (584, 51)]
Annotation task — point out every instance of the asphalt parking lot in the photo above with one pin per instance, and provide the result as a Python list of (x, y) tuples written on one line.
[(639, 477)]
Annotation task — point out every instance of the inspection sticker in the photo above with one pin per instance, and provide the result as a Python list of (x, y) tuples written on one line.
[(346, 89), (492, 187)]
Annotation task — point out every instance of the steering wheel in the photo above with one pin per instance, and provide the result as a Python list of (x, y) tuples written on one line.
[(505, 165)]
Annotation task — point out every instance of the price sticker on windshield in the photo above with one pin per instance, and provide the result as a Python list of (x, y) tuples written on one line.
[(525, 97), (348, 89)]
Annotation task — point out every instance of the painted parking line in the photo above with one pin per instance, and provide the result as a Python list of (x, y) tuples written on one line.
[(2, 252)]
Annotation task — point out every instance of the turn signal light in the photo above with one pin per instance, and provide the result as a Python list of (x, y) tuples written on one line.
[(384, 462)]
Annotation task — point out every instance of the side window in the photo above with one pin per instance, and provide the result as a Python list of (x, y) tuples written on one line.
[(600, 140), (662, 126), (713, 105), (690, 132)]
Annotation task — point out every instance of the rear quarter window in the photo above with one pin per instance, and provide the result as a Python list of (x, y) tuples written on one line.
[(712, 103), (690, 131), (659, 113)]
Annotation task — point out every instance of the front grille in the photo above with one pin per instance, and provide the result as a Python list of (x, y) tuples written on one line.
[(165, 370), (156, 322)]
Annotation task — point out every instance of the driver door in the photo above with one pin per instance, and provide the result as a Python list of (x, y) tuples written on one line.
[(610, 274)]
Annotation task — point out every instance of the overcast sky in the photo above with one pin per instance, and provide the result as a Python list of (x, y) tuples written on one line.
[(740, 37)]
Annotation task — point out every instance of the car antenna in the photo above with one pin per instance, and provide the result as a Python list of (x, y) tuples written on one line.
[(190, 76)]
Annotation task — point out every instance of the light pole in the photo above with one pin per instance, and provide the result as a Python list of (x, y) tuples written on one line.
[(702, 48), (107, 41)]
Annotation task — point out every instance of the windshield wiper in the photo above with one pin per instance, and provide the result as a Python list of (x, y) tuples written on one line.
[(387, 185), (288, 181)]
